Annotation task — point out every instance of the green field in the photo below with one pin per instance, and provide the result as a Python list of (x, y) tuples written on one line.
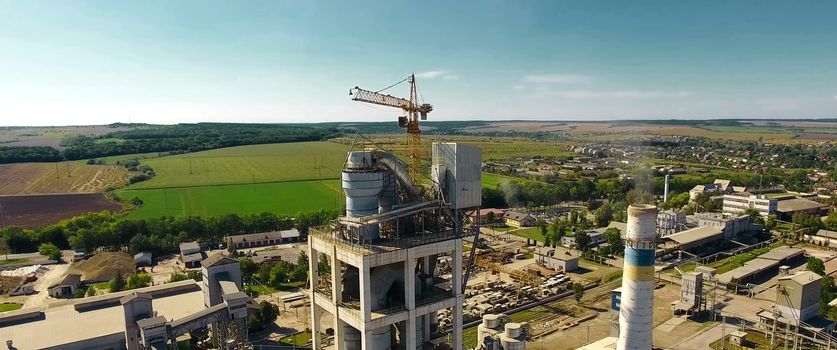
[(491, 180), (248, 164), (286, 198), (9, 307)]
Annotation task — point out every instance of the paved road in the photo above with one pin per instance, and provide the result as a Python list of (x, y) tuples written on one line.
[(34, 255)]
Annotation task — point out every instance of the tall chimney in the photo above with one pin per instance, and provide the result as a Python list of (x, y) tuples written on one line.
[(636, 311), (665, 192)]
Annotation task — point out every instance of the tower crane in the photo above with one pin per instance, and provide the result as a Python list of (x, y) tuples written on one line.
[(413, 113)]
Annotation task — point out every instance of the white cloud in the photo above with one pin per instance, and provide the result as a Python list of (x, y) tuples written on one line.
[(519, 87), (558, 79), (616, 94), (835, 97), (450, 77), (430, 74)]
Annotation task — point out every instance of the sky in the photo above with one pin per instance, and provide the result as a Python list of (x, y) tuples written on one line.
[(98, 62)]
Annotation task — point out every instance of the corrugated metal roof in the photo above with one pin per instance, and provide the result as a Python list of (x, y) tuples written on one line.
[(696, 234), (797, 204)]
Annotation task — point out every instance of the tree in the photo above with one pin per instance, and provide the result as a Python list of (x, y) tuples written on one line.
[(116, 284), (489, 218), (770, 223), (279, 274), (816, 266), (603, 215), (139, 280), (544, 233), (754, 215), (248, 268), (582, 240), (831, 221), (614, 240), (268, 312), (50, 251), (578, 291)]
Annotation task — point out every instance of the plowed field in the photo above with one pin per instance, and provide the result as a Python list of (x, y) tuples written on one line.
[(66, 177), (42, 210)]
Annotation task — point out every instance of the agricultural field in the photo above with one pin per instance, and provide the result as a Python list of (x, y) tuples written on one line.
[(41, 210), (64, 177), (246, 164), (492, 180), (286, 198), (493, 148), (50, 136)]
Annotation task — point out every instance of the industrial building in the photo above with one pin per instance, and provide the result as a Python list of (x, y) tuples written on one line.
[(731, 225), (144, 318), (263, 239), (558, 259), (767, 262), (786, 208), (797, 306), (66, 287), (737, 203), (384, 289), (518, 219)]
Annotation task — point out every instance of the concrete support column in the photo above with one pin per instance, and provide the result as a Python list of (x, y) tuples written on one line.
[(410, 302), (313, 258), (336, 295), (366, 339), (426, 264), (365, 293), (456, 259)]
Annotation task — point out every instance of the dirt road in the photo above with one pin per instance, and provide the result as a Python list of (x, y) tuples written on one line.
[(55, 274)]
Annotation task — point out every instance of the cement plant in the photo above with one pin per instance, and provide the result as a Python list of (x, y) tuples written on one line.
[(425, 175)]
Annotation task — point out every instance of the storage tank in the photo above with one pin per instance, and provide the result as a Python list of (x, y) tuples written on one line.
[(362, 184), (636, 309)]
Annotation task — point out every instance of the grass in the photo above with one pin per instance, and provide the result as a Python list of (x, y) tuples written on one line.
[(492, 180), (261, 289), (12, 261), (10, 307), (530, 233), (733, 262), (286, 198), (248, 164), (298, 339), (104, 286)]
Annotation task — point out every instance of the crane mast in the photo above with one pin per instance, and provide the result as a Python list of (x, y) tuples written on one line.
[(413, 113)]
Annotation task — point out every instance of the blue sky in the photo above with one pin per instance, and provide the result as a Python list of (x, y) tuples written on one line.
[(93, 62)]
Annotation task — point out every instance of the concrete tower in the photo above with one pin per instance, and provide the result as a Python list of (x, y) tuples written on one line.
[(665, 191), (637, 304)]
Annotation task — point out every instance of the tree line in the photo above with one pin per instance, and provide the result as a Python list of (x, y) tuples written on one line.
[(166, 138), (110, 231)]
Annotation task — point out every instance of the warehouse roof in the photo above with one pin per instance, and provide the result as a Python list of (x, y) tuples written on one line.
[(515, 215), (782, 253), (292, 233), (104, 323), (750, 268), (827, 234), (797, 204), (802, 277), (697, 235)]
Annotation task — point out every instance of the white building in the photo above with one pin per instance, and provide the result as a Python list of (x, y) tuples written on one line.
[(737, 204)]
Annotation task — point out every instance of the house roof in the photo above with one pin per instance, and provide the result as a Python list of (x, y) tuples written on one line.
[(192, 257), (217, 259), (797, 204), (782, 253), (68, 280), (189, 246), (723, 184), (517, 216), (485, 211)]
